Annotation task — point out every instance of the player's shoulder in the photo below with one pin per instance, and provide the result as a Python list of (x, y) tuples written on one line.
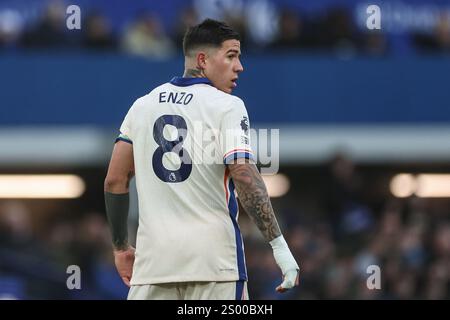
[(234, 103), (147, 98), (224, 100), (154, 93), (224, 95)]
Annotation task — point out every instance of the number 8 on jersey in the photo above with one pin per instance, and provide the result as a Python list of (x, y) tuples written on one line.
[(175, 146)]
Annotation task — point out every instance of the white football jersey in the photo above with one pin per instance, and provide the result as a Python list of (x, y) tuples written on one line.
[(183, 133)]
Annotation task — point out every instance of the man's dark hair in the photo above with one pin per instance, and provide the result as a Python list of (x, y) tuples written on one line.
[(208, 33)]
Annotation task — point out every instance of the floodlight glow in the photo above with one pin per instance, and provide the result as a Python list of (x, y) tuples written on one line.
[(41, 186), (277, 185), (421, 185), (403, 185), (433, 185)]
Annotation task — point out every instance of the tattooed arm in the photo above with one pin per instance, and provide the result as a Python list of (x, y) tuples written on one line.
[(255, 200)]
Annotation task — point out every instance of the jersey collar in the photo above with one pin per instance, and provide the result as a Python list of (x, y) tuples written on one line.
[(184, 82)]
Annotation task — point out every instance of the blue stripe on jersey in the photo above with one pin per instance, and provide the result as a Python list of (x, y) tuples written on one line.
[(237, 155), (239, 289), (124, 140), (233, 209), (184, 82)]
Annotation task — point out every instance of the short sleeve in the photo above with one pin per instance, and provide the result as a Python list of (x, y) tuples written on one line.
[(235, 133), (126, 127)]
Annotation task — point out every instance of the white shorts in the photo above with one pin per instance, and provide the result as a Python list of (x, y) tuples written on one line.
[(235, 290)]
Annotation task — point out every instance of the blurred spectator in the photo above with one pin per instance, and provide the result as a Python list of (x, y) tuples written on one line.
[(337, 32), (230, 11), (146, 37), (97, 33), (262, 18), (411, 246), (350, 216), (91, 251), (59, 238), (291, 31), (15, 225), (441, 241), (218, 9), (50, 30), (438, 40), (188, 18), (442, 33), (405, 285), (11, 27), (24, 263), (237, 22), (438, 280), (374, 43), (339, 279)]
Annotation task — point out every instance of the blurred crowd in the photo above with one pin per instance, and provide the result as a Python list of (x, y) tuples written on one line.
[(284, 29), (336, 227), (35, 255), (351, 230)]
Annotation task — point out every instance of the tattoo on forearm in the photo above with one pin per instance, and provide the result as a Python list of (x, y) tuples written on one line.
[(194, 73), (254, 199)]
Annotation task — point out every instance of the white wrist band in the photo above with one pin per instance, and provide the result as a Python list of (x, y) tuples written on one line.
[(283, 255), (278, 243)]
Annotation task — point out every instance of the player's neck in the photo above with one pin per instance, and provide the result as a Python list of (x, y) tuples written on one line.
[(193, 73)]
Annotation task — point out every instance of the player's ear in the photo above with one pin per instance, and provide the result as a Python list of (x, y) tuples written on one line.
[(201, 59)]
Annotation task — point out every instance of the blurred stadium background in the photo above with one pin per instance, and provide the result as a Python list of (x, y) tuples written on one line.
[(364, 119)]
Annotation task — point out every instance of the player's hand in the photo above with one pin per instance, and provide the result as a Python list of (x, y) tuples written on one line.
[(124, 260), (286, 261), (290, 280)]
